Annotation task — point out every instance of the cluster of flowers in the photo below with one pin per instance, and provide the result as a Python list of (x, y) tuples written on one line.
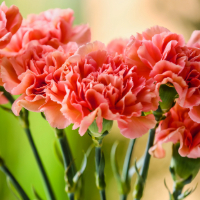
[(53, 67)]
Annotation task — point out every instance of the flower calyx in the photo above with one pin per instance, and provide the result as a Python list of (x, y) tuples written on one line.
[(167, 94), (183, 168), (97, 136)]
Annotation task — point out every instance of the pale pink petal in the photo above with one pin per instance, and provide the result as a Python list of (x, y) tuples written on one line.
[(8, 75), (149, 54), (81, 34), (194, 39), (136, 126), (54, 116), (87, 121), (195, 113), (149, 33), (86, 49), (157, 151), (22, 102)]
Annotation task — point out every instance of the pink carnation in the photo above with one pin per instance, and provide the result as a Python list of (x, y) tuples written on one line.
[(155, 44), (99, 86), (10, 21), (178, 127), (52, 27), (185, 76), (31, 74)]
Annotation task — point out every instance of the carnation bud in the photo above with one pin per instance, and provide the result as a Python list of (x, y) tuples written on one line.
[(94, 130), (183, 167)]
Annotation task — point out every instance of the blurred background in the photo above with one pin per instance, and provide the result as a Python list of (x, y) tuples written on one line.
[(108, 20)]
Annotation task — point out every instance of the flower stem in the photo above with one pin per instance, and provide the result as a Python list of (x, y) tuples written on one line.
[(100, 178), (25, 124), (17, 186), (125, 178), (69, 164), (48, 189), (71, 196), (102, 194), (123, 196), (140, 182), (177, 190)]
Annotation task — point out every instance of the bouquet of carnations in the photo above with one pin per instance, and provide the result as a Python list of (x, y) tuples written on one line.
[(149, 84)]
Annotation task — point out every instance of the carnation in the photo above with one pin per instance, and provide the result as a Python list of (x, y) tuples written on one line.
[(153, 45), (11, 20), (52, 27), (178, 128), (100, 86), (31, 74), (184, 76)]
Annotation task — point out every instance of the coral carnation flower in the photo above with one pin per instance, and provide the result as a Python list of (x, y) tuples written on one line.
[(52, 27), (184, 76), (31, 74), (10, 21), (99, 86), (178, 127), (155, 44)]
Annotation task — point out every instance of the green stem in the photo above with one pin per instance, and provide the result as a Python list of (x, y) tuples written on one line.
[(47, 184), (123, 196), (15, 183), (177, 190), (125, 178), (25, 123), (71, 196), (48, 189), (69, 164), (100, 178), (140, 182), (102, 194)]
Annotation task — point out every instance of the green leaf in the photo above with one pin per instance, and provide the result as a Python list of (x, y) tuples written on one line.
[(80, 172), (170, 195), (58, 153), (89, 150), (83, 165), (139, 165), (114, 164), (139, 185), (12, 189), (187, 193), (37, 196)]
